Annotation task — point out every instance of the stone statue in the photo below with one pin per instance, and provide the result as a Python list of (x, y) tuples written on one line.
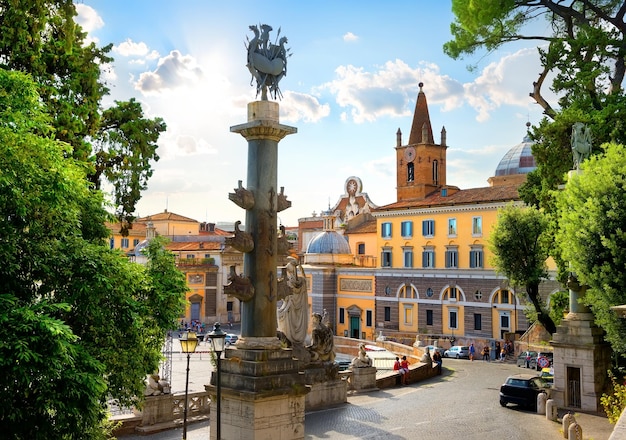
[(293, 314), (242, 197), (242, 241), (362, 360), (155, 386), (239, 286), (581, 143), (267, 62), (322, 346)]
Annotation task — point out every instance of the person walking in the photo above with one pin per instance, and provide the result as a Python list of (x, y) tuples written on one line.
[(472, 351), (486, 353)]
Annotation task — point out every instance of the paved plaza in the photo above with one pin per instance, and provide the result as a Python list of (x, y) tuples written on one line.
[(462, 403)]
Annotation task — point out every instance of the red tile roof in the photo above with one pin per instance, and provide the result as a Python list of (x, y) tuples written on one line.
[(463, 197)]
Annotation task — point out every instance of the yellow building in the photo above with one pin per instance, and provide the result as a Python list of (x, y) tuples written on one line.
[(431, 273), (201, 255)]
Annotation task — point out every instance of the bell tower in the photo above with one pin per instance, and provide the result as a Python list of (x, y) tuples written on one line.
[(420, 164)]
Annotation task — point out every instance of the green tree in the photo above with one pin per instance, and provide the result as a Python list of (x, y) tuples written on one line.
[(592, 236), (79, 322), (40, 37), (581, 45), (519, 244)]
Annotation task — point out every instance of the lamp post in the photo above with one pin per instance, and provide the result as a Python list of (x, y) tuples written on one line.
[(218, 338), (188, 344)]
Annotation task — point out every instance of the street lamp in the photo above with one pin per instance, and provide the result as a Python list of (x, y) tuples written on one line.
[(188, 344), (218, 338)]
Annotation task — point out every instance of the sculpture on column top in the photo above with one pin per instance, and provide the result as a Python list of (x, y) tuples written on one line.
[(581, 143), (267, 62)]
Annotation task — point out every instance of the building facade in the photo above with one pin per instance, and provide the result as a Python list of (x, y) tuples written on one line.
[(431, 273), (201, 254)]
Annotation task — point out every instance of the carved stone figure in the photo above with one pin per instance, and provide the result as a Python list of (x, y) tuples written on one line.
[(267, 62), (581, 143), (239, 286), (322, 346), (153, 388), (293, 314), (242, 241), (281, 201), (242, 197), (282, 244), (362, 360)]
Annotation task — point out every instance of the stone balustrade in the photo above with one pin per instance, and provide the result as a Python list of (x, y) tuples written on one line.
[(163, 412)]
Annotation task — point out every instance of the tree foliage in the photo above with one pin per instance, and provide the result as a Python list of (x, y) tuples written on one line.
[(592, 236), (582, 44), (40, 37), (79, 323), (519, 244)]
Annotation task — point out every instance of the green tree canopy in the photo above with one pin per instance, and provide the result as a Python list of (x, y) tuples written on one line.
[(592, 235), (40, 37), (520, 244), (79, 322), (582, 46)]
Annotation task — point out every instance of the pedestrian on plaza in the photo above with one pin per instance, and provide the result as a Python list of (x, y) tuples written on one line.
[(438, 361), (472, 351), (486, 353), (502, 354), (496, 353), (404, 370)]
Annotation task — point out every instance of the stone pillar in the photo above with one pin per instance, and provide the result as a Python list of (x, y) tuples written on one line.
[(263, 393), (263, 132), (581, 357), (364, 379)]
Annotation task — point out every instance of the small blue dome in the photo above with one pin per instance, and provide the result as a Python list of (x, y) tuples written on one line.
[(328, 242), (518, 160)]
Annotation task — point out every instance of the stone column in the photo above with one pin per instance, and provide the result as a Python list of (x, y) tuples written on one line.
[(263, 393), (263, 132)]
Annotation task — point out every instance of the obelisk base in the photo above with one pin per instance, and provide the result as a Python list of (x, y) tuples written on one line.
[(263, 396)]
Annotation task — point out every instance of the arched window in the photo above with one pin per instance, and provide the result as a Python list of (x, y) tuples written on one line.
[(410, 172)]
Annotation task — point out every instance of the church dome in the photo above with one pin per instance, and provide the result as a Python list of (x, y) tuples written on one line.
[(328, 242), (518, 160)]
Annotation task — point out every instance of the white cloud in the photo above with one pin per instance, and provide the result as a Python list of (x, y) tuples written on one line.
[(350, 37), (129, 48), (302, 107), (189, 145), (173, 71), (88, 18), (506, 82), (390, 90)]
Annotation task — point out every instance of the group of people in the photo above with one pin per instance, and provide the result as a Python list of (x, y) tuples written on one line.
[(403, 367), (499, 351), (193, 326)]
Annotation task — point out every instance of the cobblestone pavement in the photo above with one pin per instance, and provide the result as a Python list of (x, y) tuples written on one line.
[(462, 403)]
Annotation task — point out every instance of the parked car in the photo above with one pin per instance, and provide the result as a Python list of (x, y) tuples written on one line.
[(522, 389), (230, 339), (547, 375), (457, 351), (527, 359), (544, 360), (433, 348)]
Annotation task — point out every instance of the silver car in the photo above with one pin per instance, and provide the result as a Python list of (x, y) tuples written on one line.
[(433, 348), (457, 351)]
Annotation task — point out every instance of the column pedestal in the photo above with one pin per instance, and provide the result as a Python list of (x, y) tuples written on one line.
[(581, 361), (263, 396)]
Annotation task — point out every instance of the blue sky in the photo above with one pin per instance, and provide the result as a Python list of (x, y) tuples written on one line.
[(352, 81)]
